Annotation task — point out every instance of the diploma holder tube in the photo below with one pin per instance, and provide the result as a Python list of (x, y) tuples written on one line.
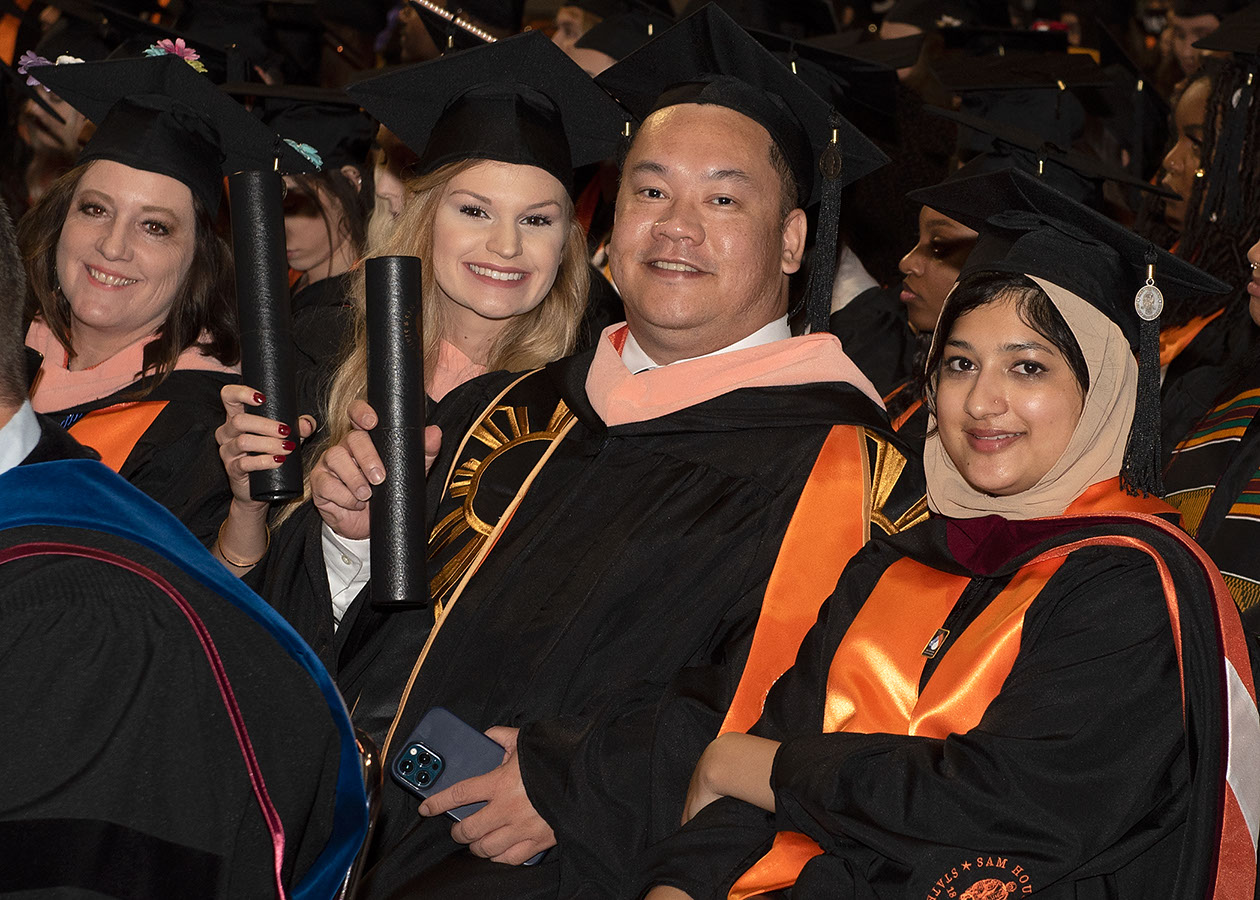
[(262, 297), (396, 392)]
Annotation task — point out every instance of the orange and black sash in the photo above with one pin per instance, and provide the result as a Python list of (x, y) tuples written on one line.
[(873, 681), (1172, 341), (114, 430)]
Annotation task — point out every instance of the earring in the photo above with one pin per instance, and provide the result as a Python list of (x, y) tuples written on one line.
[(1199, 173)]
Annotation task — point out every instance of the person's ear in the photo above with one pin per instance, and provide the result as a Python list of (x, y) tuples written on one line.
[(794, 231), (352, 172)]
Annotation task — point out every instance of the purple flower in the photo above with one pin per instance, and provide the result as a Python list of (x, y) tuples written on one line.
[(30, 61)]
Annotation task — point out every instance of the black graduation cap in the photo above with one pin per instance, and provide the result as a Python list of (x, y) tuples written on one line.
[(1030, 151), (708, 59), (518, 100), (1132, 108), (1027, 227), (321, 118), (852, 85), (895, 53), (621, 34), (158, 114), (1239, 33), (796, 18), (449, 31), (961, 71), (28, 92), (982, 40)]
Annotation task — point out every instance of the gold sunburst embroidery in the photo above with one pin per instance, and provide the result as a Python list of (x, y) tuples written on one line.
[(502, 429)]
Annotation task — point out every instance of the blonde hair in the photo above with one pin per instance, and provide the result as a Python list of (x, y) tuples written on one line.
[(545, 333)]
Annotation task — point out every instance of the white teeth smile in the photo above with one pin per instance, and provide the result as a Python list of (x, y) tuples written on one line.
[(496, 274), (995, 437), (673, 266), (111, 280)]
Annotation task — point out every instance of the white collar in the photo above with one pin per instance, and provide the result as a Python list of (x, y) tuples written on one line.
[(18, 437), (637, 361)]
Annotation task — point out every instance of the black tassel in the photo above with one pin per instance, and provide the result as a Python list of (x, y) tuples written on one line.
[(822, 275), (1141, 472)]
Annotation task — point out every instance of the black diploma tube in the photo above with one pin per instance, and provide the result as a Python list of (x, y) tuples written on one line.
[(262, 298), (395, 389)]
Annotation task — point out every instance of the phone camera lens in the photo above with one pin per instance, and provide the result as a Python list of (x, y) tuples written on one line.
[(406, 766), (425, 759), (423, 779)]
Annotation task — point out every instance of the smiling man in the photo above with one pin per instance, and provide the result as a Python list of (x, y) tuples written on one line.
[(612, 528)]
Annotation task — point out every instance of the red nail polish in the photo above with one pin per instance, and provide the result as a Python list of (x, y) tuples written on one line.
[(284, 430), (279, 459), (288, 445), (259, 398)]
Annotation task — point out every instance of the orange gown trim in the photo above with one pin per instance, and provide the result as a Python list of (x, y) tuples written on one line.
[(1174, 340), (113, 431), (839, 480), (872, 685)]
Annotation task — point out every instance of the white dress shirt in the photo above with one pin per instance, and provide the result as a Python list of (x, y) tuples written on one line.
[(18, 437)]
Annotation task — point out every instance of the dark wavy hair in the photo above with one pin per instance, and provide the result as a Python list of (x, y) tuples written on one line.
[(356, 202), (205, 302)]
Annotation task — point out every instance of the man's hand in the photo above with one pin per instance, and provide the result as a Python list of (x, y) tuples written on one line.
[(507, 829)]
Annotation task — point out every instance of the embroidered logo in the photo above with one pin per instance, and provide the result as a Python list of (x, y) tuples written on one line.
[(934, 646), (982, 878)]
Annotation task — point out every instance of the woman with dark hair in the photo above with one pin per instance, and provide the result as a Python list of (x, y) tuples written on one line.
[(131, 298), (326, 216), (1023, 694), (1206, 337)]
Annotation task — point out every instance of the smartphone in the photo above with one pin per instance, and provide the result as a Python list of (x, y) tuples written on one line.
[(441, 750)]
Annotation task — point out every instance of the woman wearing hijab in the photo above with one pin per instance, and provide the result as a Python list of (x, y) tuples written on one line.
[(1022, 694), (130, 285)]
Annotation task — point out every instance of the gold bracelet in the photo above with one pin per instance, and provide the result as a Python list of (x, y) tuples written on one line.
[(218, 543)]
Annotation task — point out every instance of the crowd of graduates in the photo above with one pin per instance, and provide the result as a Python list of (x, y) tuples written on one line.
[(817, 448)]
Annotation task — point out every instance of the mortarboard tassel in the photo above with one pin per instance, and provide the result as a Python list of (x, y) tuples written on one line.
[(823, 272), (1142, 455)]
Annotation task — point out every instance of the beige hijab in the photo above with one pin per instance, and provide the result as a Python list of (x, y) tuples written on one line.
[(1096, 449)]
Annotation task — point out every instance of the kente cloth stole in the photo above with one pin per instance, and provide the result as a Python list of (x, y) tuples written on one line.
[(873, 682), (504, 439), (856, 470), (114, 431)]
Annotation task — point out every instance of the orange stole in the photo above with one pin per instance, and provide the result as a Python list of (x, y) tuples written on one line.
[(873, 682), (826, 529), (1173, 340), (9, 25), (113, 431)]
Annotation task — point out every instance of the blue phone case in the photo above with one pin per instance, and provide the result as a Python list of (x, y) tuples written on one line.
[(456, 751)]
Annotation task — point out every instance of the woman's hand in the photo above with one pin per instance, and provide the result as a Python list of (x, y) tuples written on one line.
[(733, 765), (252, 443), (343, 478)]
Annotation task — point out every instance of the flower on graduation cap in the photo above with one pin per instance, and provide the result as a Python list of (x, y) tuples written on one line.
[(65, 60), (28, 61), (311, 154), (177, 47)]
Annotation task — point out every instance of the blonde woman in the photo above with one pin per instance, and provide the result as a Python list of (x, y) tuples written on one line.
[(505, 276)]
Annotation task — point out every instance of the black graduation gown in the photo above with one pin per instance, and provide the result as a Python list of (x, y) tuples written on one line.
[(123, 775), (322, 321), (876, 335), (176, 460), (610, 623), (1078, 773)]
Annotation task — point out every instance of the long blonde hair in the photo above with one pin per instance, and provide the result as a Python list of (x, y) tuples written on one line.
[(532, 339)]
